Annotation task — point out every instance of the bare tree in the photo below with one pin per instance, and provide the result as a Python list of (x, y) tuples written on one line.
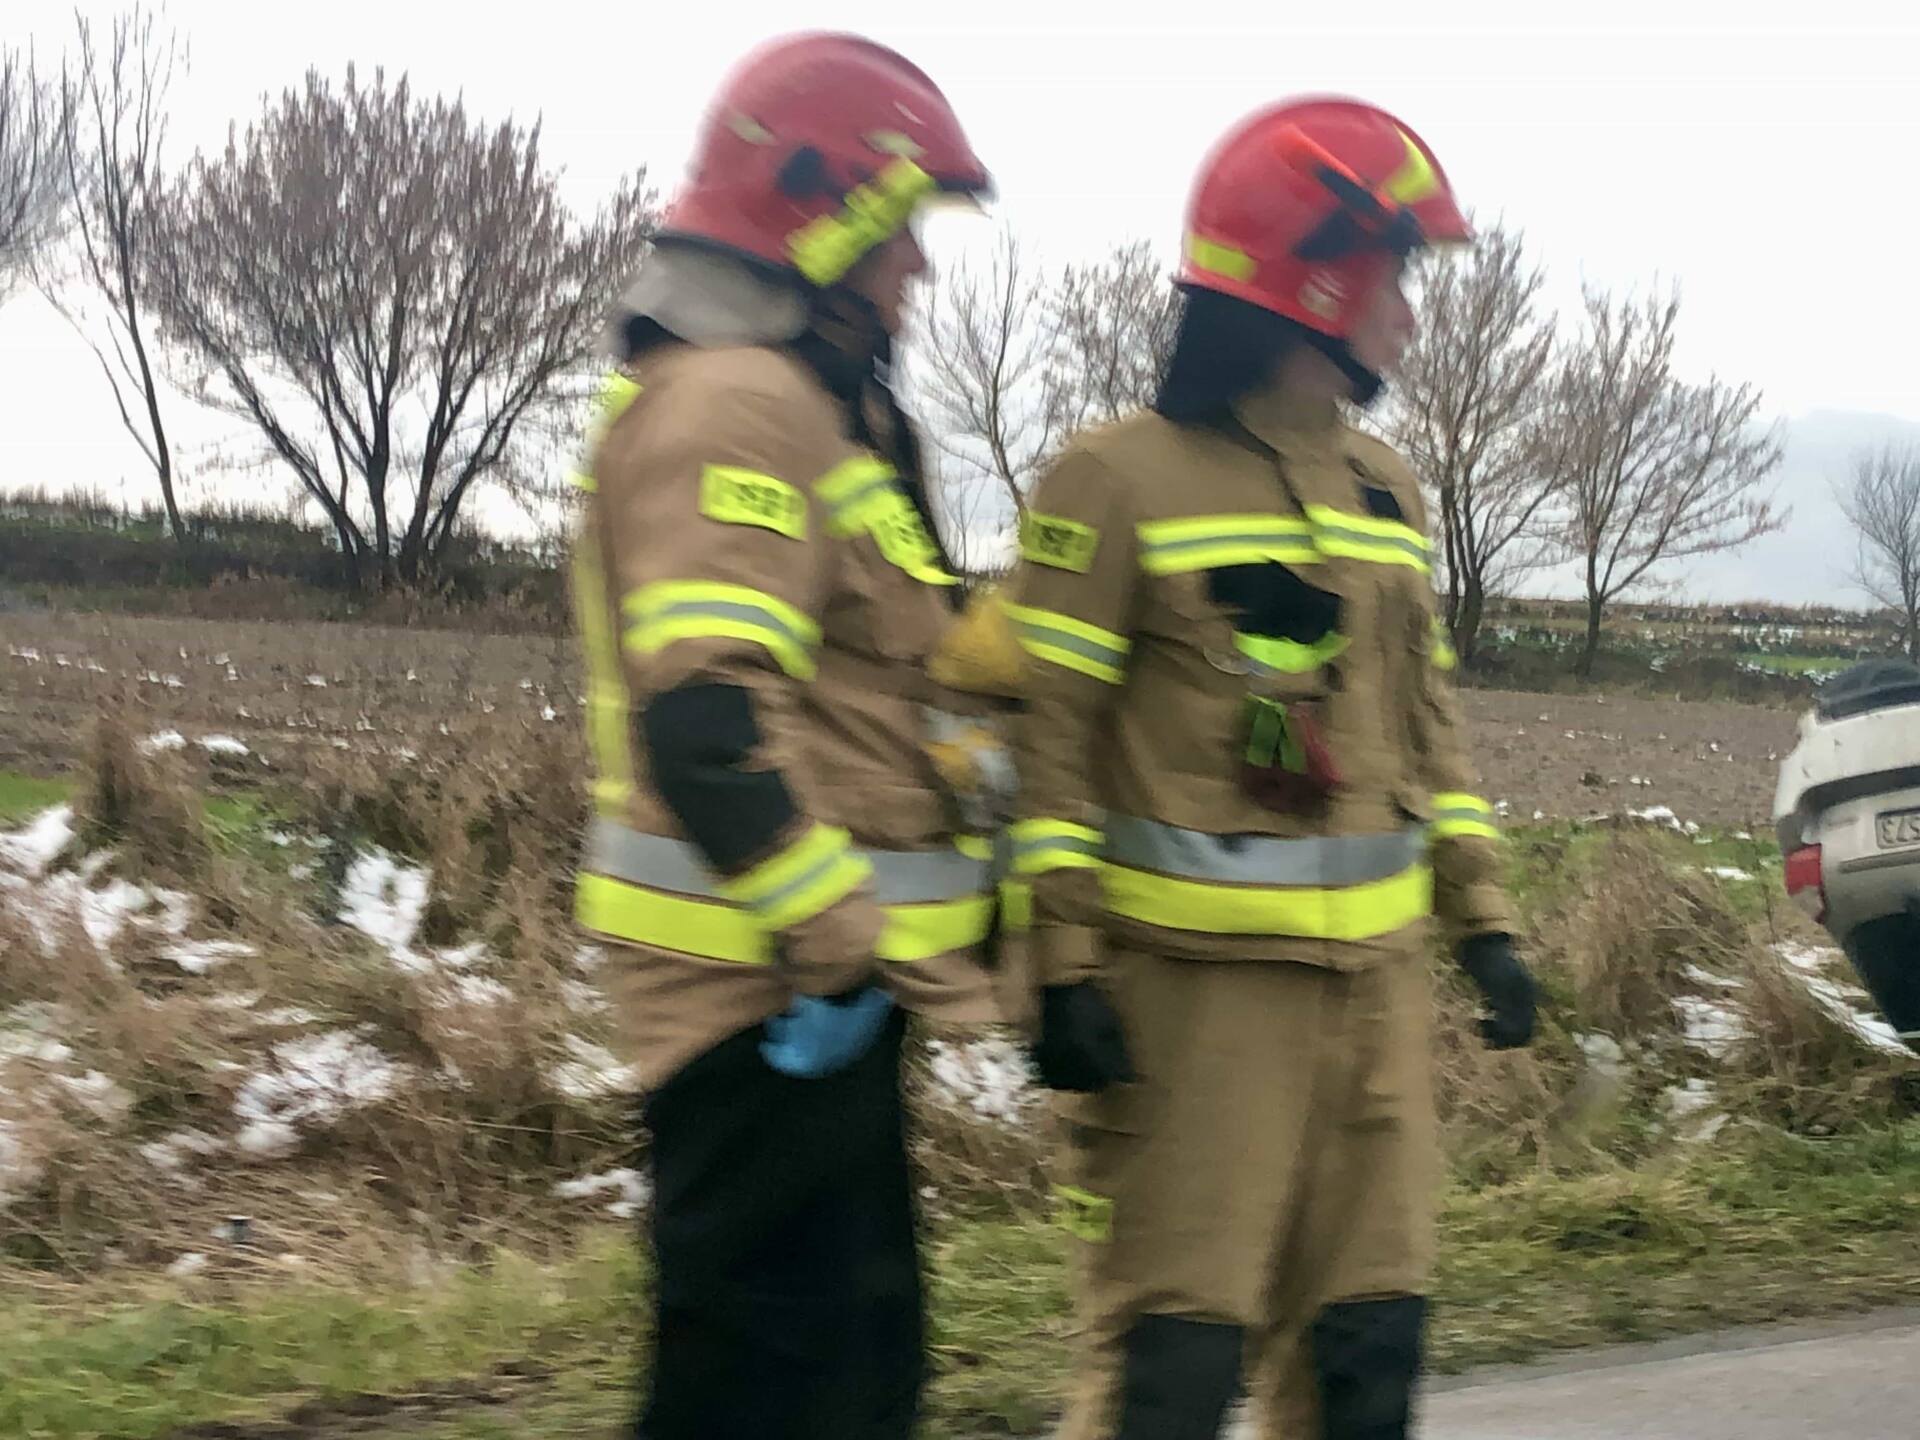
[(34, 119), (113, 176), (1113, 323), (1882, 500), (1653, 468), (982, 372), (1467, 411), (393, 295)]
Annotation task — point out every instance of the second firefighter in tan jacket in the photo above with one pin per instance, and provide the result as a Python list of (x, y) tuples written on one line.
[(1244, 790)]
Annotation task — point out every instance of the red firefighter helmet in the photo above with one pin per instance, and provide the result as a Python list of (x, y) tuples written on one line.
[(818, 148), (1303, 206)]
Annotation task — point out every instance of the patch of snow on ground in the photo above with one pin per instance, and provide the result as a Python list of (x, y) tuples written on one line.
[(384, 899), (163, 740), (30, 850), (315, 1078), (477, 990), (1690, 1108), (1805, 965), (1710, 1026), (173, 1153), (1729, 872), (592, 1073), (19, 1171), (197, 957), (98, 1095), (224, 745), (629, 1187), (988, 1076)]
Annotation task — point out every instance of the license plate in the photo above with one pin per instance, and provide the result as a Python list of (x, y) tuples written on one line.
[(1899, 828)]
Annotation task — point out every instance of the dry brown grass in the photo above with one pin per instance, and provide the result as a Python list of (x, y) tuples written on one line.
[(486, 1110)]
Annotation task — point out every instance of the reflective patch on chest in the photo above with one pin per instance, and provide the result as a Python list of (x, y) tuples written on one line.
[(734, 496)]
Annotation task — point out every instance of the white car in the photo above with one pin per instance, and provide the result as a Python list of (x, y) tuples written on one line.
[(1847, 813)]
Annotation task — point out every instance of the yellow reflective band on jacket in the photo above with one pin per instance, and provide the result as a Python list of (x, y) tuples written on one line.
[(1324, 887), (824, 250), (654, 890), (669, 610), (1083, 1214), (1440, 649), (616, 393), (709, 930), (609, 711), (1043, 845), (814, 872), (1206, 542), (1457, 815), (1271, 655), (864, 497), (1366, 537), (1356, 912), (1072, 644), (1218, 259)]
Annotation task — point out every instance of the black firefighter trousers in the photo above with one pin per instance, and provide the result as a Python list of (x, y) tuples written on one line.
[(788, 1293)]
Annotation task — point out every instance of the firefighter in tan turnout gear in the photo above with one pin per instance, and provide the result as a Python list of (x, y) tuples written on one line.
[(1244, 790), (776, 858)]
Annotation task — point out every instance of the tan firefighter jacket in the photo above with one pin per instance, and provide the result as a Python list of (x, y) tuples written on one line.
[(1134, 819), (734, 534)]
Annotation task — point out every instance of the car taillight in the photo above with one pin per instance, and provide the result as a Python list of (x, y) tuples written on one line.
[(1805, 882)]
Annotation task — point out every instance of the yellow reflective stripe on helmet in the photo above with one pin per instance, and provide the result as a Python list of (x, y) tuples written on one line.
[(609, 709), (1218, 259), (616, 393), (1278, 656), (1366, 537), (1072, 644), (1415, 180), (814, 872), (669, 610), (1206, 542), (1043, 845), (1365, 911), (826, 248), (863, 496), (1440, 648), (1456, 815)]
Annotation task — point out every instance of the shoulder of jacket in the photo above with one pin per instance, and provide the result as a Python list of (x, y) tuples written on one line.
[(745, 400), (1379, 462), (1380, 459)]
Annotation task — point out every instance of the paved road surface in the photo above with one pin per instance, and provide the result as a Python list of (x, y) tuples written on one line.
[(1853, 1381)]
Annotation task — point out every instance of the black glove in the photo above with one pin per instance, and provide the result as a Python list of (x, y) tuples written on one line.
[(1509, 990), (1082, 1046)]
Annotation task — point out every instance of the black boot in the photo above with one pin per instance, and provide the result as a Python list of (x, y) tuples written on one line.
[(1180, 1377), (1366, 1355)]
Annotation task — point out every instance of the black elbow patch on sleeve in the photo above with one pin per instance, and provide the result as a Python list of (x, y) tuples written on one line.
[(699, 740)]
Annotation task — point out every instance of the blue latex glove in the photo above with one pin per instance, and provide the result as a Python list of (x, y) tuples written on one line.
[(816, 1037)]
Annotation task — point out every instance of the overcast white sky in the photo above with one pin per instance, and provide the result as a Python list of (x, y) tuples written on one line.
[(1763, 156)]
